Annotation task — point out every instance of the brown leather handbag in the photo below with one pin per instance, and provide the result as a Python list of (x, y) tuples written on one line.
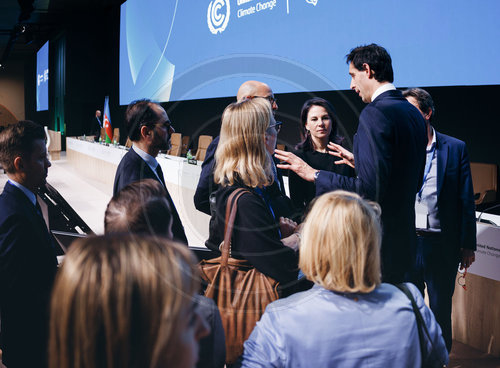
[(239, 290)]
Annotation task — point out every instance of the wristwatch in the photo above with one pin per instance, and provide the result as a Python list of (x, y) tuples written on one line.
[(316, 174)]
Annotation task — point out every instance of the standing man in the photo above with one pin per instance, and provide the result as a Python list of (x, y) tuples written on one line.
[(96, 125), (445, 217), (206, 185), (389, 157), (149, 128), (27, 258)]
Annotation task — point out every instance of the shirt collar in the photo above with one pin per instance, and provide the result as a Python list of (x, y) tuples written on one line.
[(383, 88), (31, 196), (150, 160), (433, 142)]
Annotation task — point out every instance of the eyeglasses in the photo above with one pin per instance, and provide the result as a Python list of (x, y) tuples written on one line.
[(276, 126), (272, 100), (167, 124)]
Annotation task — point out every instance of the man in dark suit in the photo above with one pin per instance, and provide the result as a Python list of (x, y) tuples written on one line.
[(27, 258), (389, 157), (445, 217), (149, 128), (206, 185)]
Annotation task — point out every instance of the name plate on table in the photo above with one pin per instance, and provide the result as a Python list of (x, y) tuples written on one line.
[(487, 263), (192, 161)]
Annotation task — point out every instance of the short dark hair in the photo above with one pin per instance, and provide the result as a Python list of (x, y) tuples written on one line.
[(17, 140), (306, 144), (139, 208), (376, 57), (139, 113), (424, 99)]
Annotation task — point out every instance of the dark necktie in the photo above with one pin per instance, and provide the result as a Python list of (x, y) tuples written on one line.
[(52, 241), (39, 209), (160, 175)]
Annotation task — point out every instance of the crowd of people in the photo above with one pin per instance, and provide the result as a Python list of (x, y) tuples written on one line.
[(352, 249)]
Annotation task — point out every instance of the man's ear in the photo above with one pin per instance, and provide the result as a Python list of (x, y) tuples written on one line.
[(428, 115), (18, 163), (145, 132), (370, 73)]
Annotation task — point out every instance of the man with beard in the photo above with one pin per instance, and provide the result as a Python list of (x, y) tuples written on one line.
[(150, 129)]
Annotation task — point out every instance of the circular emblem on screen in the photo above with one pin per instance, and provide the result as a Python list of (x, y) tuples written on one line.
[(217, 18)]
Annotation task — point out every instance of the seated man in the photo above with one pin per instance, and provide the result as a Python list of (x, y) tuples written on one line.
[(149, 129), (27, 258), (142, 208)]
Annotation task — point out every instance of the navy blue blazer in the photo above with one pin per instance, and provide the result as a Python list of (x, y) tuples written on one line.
[(282, 205), (389, 153), (455, 196), (28, 265), (133, 168), (206, 185)]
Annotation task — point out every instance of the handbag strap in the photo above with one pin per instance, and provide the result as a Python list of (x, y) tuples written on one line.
[(231, 209), (422, 327)]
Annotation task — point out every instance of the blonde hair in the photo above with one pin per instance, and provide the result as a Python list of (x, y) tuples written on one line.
[(340, 248), (116, 302), (241, 154)]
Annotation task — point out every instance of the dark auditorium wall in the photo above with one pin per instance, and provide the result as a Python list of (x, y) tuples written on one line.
[(91, 70), (12, 88)]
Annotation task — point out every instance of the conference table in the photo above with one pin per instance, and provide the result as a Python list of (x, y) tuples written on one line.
[(99, 162), (476, 320)]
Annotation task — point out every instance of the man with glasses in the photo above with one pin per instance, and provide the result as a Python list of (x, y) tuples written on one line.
[(206, 185), (150, 129)]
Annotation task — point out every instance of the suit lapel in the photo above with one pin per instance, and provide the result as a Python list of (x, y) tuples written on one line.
[(146, 172), (32, 212), (442, 158)]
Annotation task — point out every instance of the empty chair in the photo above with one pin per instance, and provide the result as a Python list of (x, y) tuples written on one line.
[(176, 148), (484, 182), (203, 143), (103, 134), (128, 143), (116, 135), (185, 144)]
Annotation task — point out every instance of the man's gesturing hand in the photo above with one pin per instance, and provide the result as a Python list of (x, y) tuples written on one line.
[(288, 161)]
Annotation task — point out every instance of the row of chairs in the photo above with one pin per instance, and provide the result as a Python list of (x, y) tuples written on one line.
[(116, 135), (179, 143)]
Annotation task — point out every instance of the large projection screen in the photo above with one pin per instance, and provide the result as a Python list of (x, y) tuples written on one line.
[(42, 78), (183, 50)]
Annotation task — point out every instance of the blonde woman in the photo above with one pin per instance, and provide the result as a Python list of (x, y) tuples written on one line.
[(121, 301), (243, 162), (349, 318)]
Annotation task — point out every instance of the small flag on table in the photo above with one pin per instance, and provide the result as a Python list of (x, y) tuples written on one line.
[(107, 121)]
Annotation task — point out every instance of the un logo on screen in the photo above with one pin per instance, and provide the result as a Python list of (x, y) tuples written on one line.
[(217, 19)]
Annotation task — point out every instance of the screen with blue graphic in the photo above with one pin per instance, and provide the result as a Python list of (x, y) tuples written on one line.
[(182, 50), (42, 78)]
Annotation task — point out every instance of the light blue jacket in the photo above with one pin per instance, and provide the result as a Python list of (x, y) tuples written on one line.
[(322, 328)]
